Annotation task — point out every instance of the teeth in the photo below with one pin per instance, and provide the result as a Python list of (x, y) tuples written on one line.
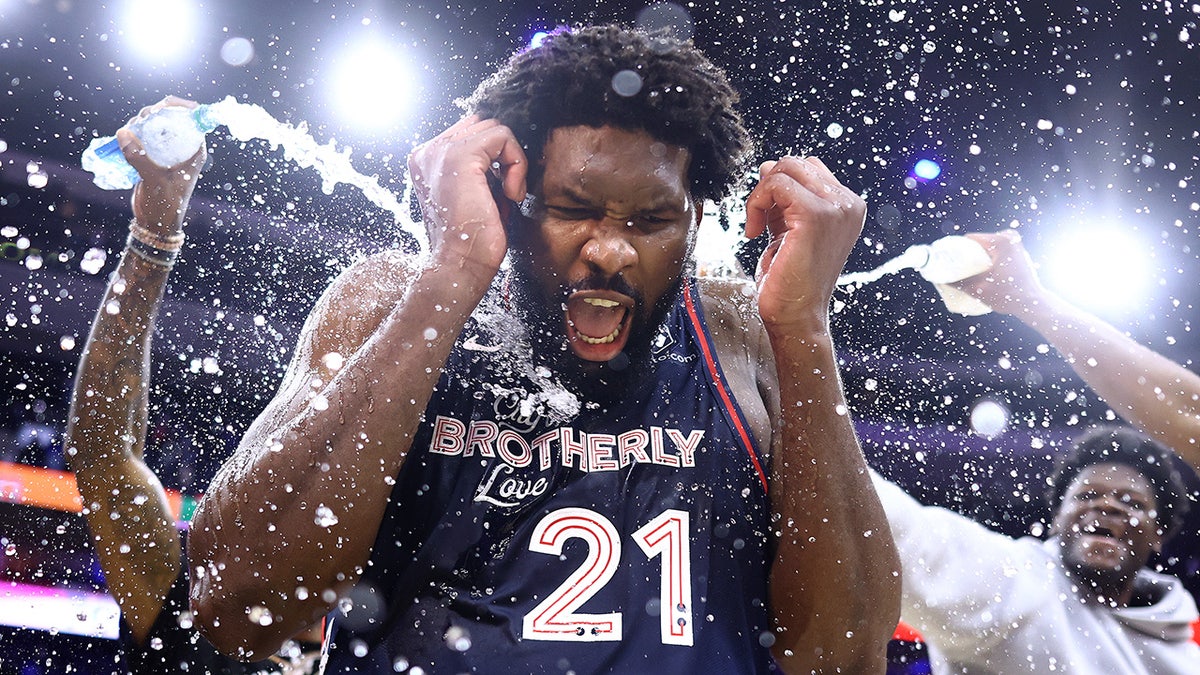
[(601, 302), (600, 341)]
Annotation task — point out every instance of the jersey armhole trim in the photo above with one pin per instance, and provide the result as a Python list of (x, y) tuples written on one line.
[(714, 371)]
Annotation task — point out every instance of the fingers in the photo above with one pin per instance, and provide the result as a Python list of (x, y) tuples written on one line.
[(1001, 245), (793, 188), (485, 145), (135, 153)]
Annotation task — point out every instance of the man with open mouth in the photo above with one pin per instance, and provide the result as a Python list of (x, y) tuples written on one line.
[(1083, 600), (546, 446)]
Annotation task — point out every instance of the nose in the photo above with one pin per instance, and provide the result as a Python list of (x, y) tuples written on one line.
[(609, 250)]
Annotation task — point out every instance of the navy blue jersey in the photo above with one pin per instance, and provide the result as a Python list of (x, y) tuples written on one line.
[(630, 537)]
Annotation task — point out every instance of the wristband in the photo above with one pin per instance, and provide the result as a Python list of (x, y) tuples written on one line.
[(151, 254), (170, 242)]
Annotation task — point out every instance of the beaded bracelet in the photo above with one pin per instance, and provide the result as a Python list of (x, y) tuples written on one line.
[(152, 247), (170, 242), (151, 254)]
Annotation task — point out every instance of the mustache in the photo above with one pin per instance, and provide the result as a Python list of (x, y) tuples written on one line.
[(600, 282)]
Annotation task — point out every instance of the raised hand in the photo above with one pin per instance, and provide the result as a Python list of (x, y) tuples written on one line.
[(813, 221), (161, 198), (1011, 285), (454, 175)]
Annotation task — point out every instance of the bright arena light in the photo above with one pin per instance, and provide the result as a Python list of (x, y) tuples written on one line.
[(374, 86), (538, 38), (1102, 267), (159, 30)]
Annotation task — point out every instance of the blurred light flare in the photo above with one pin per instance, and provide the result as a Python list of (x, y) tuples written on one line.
[(159, 30), (237, 51), (927, 169), (989, 417), (1102, 266), (374, 86), (538, 38)]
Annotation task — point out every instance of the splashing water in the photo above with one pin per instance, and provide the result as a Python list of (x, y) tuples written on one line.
[(914, 257), (247, 121), (717, 245)]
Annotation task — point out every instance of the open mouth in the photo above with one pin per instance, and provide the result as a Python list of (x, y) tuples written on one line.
[(598, 323), (1095, 533)]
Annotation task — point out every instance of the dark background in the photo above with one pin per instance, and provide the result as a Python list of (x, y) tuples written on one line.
[(904, 80)]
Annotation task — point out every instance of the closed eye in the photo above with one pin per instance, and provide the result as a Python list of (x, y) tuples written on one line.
[(653, 222)]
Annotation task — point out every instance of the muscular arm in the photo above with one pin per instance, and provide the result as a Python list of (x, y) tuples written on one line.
[(1158, 395), (834, 582), (290, 520), (124, 503)]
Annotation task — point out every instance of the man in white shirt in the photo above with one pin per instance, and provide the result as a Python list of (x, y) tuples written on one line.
[(1083, 601)]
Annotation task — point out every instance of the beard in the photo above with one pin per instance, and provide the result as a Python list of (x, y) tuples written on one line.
[(543, 311), (1103, 580)]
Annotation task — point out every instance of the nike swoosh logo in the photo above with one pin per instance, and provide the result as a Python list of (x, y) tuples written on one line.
[(472, 345)]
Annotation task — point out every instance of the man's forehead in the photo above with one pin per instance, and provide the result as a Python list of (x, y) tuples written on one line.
[(1112, 474)]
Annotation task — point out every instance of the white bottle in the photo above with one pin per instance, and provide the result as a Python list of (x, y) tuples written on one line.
[(952, 259), (170, 136)]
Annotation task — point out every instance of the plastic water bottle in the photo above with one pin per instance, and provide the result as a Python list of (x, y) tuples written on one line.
[(170, 136), (952, 259)]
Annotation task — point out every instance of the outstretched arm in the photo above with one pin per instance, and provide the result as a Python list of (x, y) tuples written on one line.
[(959, 588), (835, 580), (1158, 395), (124, 503), (290, 520)]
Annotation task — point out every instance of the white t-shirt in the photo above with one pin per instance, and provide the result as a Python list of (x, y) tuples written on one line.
[(989, 604)]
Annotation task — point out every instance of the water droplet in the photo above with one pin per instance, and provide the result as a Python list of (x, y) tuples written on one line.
[(260, 615), (458, 639), (325, 517), (626, 83)]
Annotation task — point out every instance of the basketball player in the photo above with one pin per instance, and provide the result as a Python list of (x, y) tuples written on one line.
[(586, 460)]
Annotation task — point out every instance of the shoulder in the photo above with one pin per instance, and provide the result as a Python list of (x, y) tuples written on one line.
[(359, 299), (731, 314), (728, 298)]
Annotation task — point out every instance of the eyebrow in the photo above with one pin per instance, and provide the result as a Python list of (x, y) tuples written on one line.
[(578, 198)]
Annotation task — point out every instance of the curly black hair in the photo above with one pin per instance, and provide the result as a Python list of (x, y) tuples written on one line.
[(668, 89), (1121, 445)]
